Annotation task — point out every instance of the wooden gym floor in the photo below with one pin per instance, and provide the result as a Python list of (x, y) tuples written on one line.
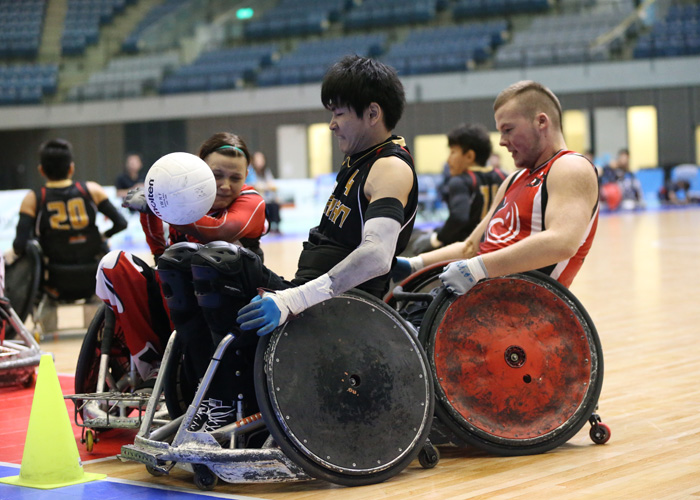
[(640, 284)]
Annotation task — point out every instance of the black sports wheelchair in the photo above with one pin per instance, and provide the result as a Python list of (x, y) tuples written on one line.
[(354, 389), (36, 286)]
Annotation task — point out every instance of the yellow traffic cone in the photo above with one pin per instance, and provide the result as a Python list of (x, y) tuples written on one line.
[(50, 458)]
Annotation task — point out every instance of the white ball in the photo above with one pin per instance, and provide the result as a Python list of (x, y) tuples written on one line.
[(180, 188)]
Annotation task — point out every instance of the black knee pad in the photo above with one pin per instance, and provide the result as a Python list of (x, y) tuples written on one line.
[(222, 270), (174, 271), (226, 277)]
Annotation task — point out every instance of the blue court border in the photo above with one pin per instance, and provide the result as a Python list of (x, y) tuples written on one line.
[(107, 489)]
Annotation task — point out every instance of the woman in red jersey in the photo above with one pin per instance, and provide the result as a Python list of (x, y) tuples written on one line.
[(129, 285)]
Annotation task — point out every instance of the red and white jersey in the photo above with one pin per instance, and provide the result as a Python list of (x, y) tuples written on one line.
[(243, 219), (522, 212)]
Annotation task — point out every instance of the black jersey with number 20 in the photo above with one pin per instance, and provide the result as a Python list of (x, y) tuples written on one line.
[(66, 224)]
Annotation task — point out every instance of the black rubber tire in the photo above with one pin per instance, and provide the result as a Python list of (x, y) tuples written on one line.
[(22, 283), (204, 479), (87, 369), (178, 392), (429, 459)]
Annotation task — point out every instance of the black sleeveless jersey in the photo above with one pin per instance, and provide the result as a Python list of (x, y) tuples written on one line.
[(66, 224), (476, 188), (342, 223)]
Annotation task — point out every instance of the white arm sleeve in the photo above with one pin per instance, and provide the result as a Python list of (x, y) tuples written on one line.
[(370, 259)]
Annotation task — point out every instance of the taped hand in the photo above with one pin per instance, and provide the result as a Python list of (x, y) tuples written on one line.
[(460, 276), (135, 199), (262, 313)]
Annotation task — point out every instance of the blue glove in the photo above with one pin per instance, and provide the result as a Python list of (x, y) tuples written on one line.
[(261, 313), (401, 270)]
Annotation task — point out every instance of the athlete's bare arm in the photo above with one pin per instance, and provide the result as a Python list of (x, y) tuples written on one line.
[(28, 205), (390, 177), (572, 188), (96, 191)]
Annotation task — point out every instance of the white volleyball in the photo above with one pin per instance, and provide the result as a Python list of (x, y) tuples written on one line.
[(180, 188)]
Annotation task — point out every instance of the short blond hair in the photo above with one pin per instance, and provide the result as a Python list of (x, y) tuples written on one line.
[(533, 98)]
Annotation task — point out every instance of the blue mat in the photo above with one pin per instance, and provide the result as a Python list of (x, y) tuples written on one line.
[(104, 490)]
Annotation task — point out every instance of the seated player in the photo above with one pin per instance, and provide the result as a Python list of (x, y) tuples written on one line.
[(128, 284), (62, 214), (545, 214), (469, 190), (367, 221)]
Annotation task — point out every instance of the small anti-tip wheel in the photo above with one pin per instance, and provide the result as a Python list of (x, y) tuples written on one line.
[(204, 479), (89, 439), (429, 456), (29, 381), (154, 471), (600, 433)]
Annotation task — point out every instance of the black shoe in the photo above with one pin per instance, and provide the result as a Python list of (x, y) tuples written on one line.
[(200, 417), (211, 415), (219, 416)]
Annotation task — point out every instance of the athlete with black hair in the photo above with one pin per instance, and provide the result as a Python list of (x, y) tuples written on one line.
[(62, 214), (470, 189), (367, 221)]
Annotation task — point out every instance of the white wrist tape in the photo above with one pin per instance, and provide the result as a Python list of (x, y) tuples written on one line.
[(477, 267), (416, 263), (297, 299)]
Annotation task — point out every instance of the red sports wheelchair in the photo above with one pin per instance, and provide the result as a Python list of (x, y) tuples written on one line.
[(516, 362)]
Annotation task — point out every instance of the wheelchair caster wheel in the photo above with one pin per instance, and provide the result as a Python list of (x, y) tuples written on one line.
[(155, 472), (204, 479), (600, 433), (29, 381), (429, 456), (89, 439)]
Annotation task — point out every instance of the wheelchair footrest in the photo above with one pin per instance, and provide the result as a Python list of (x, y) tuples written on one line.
[(238, 465), (135, 454)]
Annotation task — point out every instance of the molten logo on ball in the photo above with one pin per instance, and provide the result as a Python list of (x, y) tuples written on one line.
[(151, 199), (180, 188)]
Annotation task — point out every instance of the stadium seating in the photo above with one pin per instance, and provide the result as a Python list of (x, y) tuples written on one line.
[(20, 28), (452, 48), (27, 83), (310, 60), (468, 9), (563, 39), (83, 21), (219, 69), (295, 18), (417, 37), (390, 13), (678, 34), (131, 43), (126, 77)]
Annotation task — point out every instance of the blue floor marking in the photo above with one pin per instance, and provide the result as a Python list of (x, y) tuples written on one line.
[(104, 490)]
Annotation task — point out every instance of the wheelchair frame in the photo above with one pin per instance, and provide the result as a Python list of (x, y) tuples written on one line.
[(20, 356), (115, 398), (39, 303), (173, 444)]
